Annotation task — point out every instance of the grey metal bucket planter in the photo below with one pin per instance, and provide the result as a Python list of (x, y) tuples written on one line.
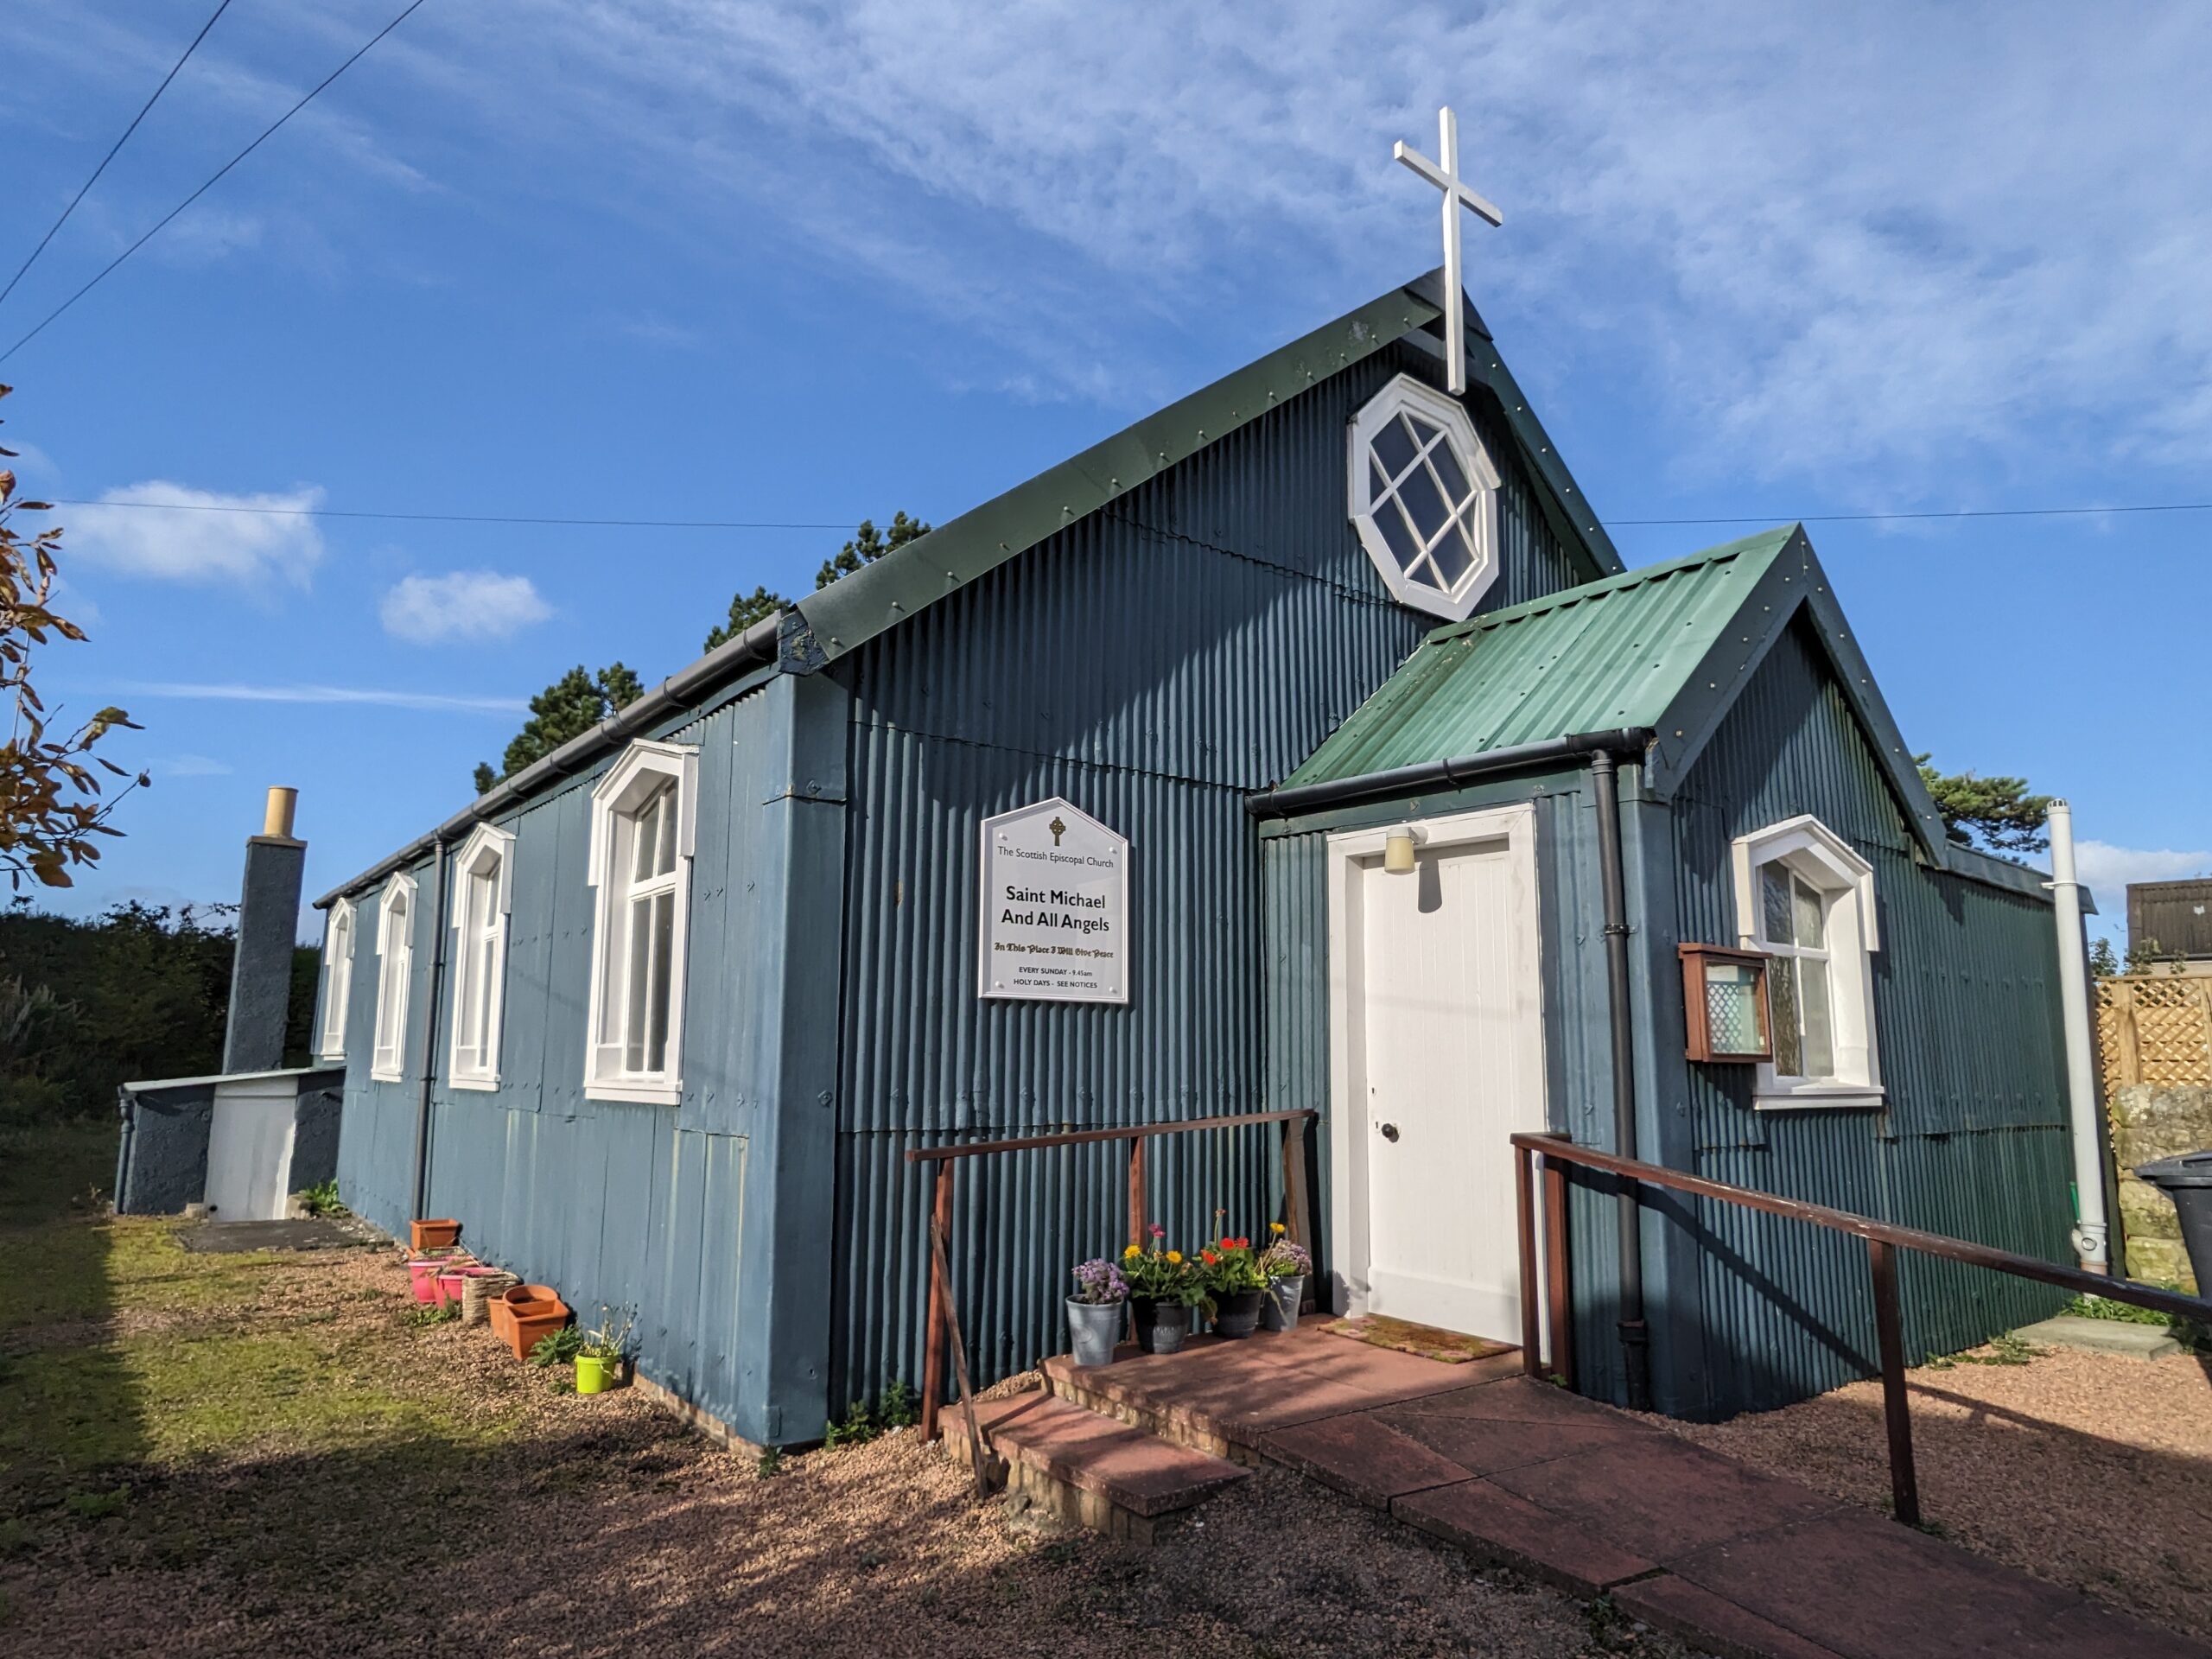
[(1279, 1311), (1095, 1327)]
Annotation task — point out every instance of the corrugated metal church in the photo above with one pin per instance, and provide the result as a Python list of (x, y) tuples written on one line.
[(1280, 752)]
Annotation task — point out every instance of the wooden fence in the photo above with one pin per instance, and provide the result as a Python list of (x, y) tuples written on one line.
[(2155, 1028)]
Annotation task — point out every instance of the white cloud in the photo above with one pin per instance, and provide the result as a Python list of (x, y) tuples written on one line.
[(377, 696), (192, 765), (1889, 237), (172, 532), (2108, 870), (464, 604)]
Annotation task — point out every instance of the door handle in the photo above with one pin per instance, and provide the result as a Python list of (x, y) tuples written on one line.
[(1390, 1132)]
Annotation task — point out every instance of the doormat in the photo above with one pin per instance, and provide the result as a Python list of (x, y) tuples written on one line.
[(1380, 1330)]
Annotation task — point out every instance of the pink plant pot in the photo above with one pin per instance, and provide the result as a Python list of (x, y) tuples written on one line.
[(449, 1286), (423, 1279)]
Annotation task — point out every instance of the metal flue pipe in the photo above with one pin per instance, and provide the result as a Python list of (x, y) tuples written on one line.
[(2090, 1243), (1635, 1339)]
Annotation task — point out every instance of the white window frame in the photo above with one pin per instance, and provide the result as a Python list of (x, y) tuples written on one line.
[(395, 972), (1407, 396), (482, 869), (1844, 881), (645, 768), (338, 942)]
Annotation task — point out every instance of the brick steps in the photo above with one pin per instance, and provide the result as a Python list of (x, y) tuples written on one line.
[(1091, 1469)]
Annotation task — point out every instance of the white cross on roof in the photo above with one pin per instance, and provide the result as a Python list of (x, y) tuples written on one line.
[(1446, 177)]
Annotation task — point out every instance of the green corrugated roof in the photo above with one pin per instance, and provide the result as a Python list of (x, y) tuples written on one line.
[(1667, 647)]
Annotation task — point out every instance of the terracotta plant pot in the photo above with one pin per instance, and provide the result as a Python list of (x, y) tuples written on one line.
[(502, 1318), (596, 1374), (533, 1311), (433, 1234)]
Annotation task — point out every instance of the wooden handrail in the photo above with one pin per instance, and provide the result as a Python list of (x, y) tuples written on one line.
[(1079, 1137), (943, 1322), (1883, 1240)]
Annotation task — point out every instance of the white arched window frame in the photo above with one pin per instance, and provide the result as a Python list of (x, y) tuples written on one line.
[(394, 971), (1423, 493), (643, 825), (481, 904), (1805, 896), (337, 980)]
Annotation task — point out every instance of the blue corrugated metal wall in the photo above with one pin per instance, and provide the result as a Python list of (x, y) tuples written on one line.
[(1150, 663), (1973, 1142), (657, 1207)]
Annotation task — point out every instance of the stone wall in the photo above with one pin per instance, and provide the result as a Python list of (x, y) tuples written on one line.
[(2148, 1121)]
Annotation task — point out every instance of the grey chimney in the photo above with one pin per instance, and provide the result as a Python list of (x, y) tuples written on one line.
[(268, 922)]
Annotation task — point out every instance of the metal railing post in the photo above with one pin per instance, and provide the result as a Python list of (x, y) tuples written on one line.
[(934, 1342), (1889, 1331)]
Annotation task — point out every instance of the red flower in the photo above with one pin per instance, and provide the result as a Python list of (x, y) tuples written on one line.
[(1208, 1257)]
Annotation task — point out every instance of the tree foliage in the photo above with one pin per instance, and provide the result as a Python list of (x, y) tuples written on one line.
[(141, 992), (52, 812), (868, 546), (1999, 815), (568, 709), (578, 700), (746, 610)]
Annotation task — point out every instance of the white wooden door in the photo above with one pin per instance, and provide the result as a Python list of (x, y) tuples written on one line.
[(250, 1150), (1450, 1056)]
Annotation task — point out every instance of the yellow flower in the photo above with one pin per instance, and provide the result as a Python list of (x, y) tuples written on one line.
[(1131, 1254), (1277, 1228), (1174, 1258)]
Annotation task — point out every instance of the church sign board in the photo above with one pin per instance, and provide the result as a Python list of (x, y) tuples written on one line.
[(1055, 915)]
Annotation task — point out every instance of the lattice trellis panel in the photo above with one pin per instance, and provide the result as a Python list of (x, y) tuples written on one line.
[(2155, 1029)]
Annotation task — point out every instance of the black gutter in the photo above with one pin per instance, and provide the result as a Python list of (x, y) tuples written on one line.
[(756, 647), (430, 1038), (1635, 1351), (1281, 803)]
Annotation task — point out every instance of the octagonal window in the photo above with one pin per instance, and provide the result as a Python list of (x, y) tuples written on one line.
[(1424, 497)]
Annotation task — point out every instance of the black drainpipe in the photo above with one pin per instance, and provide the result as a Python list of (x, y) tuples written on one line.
[(431, 1034), (1635, 1351)]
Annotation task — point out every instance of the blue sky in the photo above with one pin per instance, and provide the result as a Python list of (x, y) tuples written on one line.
[(676, 259)]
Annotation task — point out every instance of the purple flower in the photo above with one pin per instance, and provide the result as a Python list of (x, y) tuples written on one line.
[(1099, 1282)]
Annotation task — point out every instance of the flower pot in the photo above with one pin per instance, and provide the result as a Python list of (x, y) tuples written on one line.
[(1237, 1314), (450, 1281), (533, 1311), (1279, 1311), (1096, 1327), (596, 1374), (433, 1234), (502, 1318), (1160, 1326), (423, 1279), (481, 1290)]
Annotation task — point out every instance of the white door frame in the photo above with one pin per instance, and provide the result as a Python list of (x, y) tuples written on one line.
[(1349, 1146)]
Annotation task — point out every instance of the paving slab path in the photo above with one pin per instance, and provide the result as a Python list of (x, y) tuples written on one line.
[(1521, 1474)]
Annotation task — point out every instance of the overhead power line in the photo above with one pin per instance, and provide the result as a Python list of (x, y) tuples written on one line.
[(756, 524), (1955, 513), (266, 134), (454, 518), (5, 292)]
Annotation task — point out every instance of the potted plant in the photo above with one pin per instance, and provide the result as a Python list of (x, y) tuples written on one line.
[(606, 1346), (1234, 1285), (433, 1234), (1286, 1263), (1095, 1311), (534, 1312), (1163, 1289)]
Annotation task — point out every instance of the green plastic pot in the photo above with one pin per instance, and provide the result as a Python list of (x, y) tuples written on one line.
[(596, 1375)]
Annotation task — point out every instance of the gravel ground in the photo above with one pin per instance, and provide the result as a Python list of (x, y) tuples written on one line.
[(480, 1512), (2089, 1470)]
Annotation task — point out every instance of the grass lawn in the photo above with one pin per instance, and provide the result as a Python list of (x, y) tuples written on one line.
[(270, 1454)]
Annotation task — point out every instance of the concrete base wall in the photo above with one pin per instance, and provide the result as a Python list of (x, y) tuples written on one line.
[(2149, 1122)]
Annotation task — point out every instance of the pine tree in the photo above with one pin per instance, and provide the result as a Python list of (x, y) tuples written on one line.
[(745, 610), (568, 709), (868, 546), (1997, 813)]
